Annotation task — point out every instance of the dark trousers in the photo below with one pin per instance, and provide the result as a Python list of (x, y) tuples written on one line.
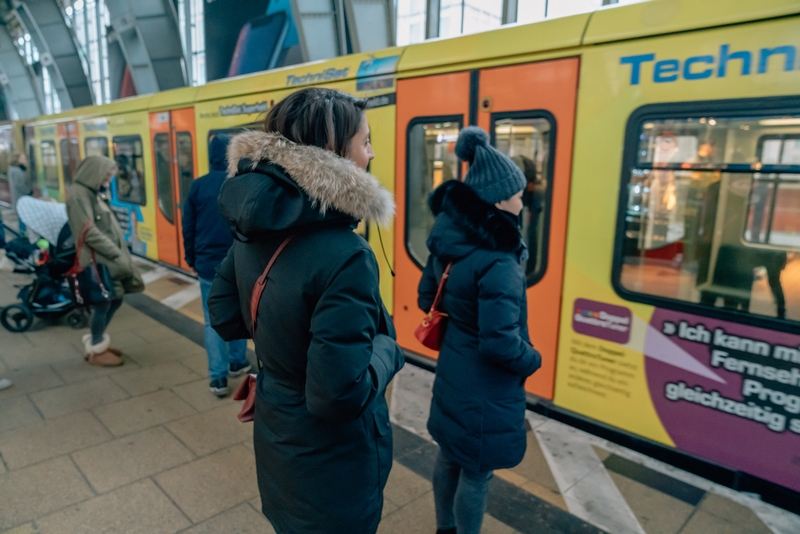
[(459, 496), (101, 317)]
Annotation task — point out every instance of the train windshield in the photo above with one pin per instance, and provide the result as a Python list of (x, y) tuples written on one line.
[(713, 213)]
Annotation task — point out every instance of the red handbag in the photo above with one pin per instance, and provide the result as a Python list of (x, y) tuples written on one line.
[(431, 331), (247, 393), (247, 389)]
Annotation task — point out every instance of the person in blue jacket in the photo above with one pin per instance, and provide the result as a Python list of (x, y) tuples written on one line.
[(478, 409), (206, 241)]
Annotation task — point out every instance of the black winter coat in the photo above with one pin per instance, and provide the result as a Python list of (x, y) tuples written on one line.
[(206, 235), (322, 435), (478, 408)]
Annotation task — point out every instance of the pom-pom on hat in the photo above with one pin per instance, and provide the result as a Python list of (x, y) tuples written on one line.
[(492, 174)]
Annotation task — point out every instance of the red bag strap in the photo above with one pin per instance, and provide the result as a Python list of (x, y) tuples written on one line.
[(261, 283), (439, 291), (76, 266), (79, 244)]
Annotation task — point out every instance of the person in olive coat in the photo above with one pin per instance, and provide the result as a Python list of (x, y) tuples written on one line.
[(478, 409), (89, 211), (324, 341)]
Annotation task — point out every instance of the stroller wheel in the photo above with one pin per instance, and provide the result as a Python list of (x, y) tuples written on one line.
[(16, 318), (77, 319)]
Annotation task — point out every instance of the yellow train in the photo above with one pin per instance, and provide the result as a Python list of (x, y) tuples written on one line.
[(661, 142)]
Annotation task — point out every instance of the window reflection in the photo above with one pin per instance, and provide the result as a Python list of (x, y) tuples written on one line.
[(708, 218), (431, 161), (96, 146), (50, 164), (185, 163), (527, 142), (166, 201), (70, 158), (130, 169)]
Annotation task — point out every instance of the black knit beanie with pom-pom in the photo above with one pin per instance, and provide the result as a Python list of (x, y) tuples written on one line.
[(491, 174)]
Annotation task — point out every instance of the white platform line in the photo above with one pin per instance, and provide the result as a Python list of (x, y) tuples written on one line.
[(183, 297), (151, 276), (584, 482), (778, 520)]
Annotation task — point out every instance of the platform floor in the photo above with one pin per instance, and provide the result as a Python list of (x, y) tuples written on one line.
[(146, 448)]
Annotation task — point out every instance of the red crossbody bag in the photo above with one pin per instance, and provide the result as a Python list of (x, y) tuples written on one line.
[(431, 332), (247, 390)]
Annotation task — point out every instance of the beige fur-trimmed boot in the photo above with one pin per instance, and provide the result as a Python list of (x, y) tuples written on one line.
[(99, 354), (86, 338)]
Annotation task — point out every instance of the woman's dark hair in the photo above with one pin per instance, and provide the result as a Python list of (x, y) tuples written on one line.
[(319, 117)]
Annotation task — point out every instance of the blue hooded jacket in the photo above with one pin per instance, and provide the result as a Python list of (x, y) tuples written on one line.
[(478, 408), (206, 235)]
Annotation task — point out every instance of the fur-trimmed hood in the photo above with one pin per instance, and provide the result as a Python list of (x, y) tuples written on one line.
[(464, 222), (330, 181)]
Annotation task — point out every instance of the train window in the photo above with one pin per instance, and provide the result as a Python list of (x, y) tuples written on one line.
[(525, 138), (50, 164), (226, 134), (166, 201), (773, 213), (431, 160), (185, 163), (712, 215), (95, 146), (129, 156), (70, 158)]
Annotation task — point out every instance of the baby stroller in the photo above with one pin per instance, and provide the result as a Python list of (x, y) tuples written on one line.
[(48, 296)]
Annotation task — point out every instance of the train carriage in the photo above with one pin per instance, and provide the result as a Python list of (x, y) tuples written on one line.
[(661, 146)]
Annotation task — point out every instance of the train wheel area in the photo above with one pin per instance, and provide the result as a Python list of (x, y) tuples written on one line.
[(147, 443)]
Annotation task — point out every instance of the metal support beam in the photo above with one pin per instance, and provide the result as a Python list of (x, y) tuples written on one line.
[(317, 29), (371, 24), (22, 94), (116, 65), (58, 51), (148, 34)]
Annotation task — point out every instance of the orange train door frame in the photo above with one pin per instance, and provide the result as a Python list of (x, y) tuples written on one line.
[(546, 89), (432, 99), (174, 163)]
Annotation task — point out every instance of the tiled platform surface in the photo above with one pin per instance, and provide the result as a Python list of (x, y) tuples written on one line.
[(140, 448), (146, 448)]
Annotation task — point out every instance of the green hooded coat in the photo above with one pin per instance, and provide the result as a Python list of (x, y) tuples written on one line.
[(86, 202)]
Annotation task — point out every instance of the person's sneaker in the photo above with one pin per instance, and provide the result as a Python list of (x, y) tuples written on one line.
[(5, 383), (238, 369), (219, 387)]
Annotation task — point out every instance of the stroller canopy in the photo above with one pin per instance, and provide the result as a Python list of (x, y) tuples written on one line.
[(43, 217)]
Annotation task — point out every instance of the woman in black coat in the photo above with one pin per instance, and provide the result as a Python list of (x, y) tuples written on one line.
[(324, 342), (478, 408)]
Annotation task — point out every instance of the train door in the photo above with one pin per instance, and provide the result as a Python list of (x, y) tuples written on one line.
[(529, 111), (69, 150), (174, 163)]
